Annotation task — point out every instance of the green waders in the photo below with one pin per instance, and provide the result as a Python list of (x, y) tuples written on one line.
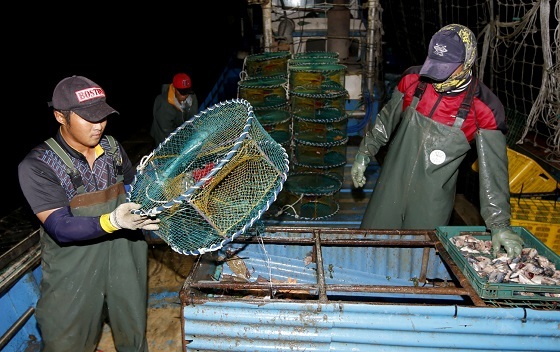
[(416, 187), (84, 283)]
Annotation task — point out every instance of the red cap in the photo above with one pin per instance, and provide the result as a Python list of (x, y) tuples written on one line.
[(181, 81)]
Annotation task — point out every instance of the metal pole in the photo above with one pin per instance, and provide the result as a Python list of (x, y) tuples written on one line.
[(267, 25), (16, 327), (373, 54)]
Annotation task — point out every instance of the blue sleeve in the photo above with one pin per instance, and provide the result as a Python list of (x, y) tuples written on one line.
[(64, 227)]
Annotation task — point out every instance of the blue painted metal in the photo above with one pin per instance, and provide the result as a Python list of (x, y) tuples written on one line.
[(310, 326), (344, 265), (14, 303), (352, 321), (225, 87)]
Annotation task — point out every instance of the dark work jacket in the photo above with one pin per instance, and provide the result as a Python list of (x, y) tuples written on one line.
[(167, 116)]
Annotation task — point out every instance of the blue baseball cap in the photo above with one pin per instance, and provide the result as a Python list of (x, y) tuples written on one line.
[(445, 54)]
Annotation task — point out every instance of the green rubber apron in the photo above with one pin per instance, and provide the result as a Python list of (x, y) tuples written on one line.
[(416, 186), (85, 283)]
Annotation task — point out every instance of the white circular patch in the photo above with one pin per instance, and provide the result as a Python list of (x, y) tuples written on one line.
[(437, 157)]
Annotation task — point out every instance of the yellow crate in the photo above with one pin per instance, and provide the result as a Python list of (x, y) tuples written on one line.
[(547, 233), (526, 175), (532, 209), (541, 217)]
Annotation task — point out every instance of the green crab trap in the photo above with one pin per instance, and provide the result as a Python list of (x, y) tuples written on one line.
[(264, 92), (273, 115), (211, 179), (312, 61), (276, 121), (316, 55), (323, 155), (314, 76), (269, 64), (311, 195), (312, 132), (322, 104)]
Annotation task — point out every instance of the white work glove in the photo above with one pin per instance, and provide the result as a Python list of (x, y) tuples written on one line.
[(123, 218), (506, 237), (361, 162)]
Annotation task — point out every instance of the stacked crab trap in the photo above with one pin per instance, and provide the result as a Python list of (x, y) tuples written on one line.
[(211, 179), (264, 84), (302, 106), (319, 136)]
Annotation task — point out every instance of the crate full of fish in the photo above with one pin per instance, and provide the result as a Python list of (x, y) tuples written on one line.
[(532, 279)]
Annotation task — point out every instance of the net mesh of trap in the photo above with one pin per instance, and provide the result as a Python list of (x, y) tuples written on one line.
[(211, 179)]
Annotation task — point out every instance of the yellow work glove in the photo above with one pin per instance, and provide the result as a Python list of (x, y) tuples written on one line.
[(123, 218)]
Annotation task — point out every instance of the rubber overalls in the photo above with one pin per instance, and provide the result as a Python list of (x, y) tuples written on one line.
[(416, 187), (97, 279)]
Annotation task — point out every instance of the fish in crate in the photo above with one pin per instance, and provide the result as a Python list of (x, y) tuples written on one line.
[(211, 179)]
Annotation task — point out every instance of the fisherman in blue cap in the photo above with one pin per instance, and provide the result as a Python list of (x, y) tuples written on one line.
[(437, 111)]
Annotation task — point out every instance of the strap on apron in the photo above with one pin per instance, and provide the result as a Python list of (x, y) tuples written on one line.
[(70, 168), (466, 103), (116, 157), (73, 172), (464, 108)]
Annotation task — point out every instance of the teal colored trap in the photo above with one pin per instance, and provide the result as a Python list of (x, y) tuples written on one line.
[(211, 179)]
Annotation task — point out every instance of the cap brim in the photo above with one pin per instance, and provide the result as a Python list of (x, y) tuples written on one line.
[(437, 70), (96, 112)]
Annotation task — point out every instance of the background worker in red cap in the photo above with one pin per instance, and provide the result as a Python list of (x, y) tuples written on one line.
[(176, 104), (436, 113), (94, 267)]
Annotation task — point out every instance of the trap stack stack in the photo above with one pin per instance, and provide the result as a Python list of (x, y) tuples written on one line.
[(264, 84), (319, 138)]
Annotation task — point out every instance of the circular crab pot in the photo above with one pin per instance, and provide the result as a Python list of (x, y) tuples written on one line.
[(211, 178)]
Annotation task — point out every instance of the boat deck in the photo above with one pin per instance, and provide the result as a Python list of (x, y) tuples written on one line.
[(168, 269)]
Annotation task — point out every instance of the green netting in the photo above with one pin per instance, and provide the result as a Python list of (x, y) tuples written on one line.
[(312, 61), (264, 92), (312, 77), (317, 210), (312, 183), (305, 207), (325, 106), (337, 172), (211, 179), (320, 133), (268, 64), (319, 156), (327, 89), (273, 116), (280, 136), (316, 54), (280, 130)]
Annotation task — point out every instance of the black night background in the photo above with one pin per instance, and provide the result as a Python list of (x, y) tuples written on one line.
[(129, 53)]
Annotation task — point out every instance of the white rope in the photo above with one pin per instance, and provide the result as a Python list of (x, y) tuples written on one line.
[(546, 107), (268, 263)]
